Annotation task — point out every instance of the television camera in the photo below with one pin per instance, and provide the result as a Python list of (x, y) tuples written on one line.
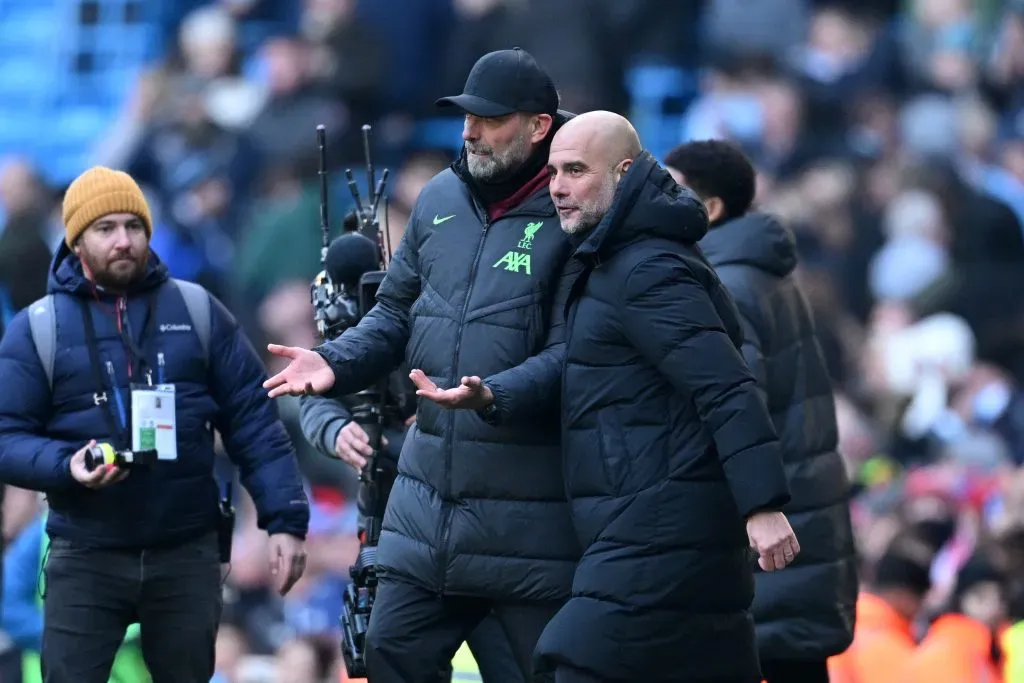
[(342, 294)]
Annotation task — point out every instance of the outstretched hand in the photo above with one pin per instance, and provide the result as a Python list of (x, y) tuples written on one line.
[(307, 373), (471, 394)]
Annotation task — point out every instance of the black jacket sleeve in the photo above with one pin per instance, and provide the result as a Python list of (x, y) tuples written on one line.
[(321, 419), (376, 346), (533, 388), (670, 319), (752, 353), (250, 425), (751, 318)]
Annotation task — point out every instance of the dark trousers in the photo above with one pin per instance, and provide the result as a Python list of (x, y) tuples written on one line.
[(92, 596), (570, 674), (493, 652), (794, 671), (413, 634)]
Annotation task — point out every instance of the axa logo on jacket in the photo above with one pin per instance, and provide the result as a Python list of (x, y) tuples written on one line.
[(515, 260)]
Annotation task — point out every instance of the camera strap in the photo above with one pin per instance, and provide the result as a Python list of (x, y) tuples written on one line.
[(111, 401)]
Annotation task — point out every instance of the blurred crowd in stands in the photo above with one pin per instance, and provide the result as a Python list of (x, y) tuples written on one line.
[(888, 134)]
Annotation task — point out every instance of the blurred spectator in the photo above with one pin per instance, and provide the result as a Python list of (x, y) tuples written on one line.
[(203, 175), (282, 243), (347, 58), (941, 41), (962, 645), (24, 253), (767, 26), (212, 63), (284, 129), (884, 638)]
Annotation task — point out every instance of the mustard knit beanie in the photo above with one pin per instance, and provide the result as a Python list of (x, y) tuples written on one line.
[(98, 192)]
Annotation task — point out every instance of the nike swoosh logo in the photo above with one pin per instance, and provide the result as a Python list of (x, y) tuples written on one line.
[(438, 220)]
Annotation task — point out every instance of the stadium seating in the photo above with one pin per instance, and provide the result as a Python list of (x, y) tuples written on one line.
[(659, 95), (65, 70)]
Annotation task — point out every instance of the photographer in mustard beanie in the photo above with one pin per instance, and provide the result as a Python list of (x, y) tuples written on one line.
[(117, 381)]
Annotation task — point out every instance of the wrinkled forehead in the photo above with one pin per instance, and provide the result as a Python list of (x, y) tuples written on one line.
[(576, 147)]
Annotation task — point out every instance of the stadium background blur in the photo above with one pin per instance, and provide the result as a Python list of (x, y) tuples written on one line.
[(889, 134)]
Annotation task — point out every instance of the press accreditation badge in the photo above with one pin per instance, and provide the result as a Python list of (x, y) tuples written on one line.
[(153, 425)]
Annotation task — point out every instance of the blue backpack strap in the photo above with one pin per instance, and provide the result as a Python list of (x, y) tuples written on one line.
[(42, 321), (197, 301)]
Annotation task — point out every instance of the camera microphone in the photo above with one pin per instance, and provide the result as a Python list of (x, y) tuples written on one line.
[(349, 257)]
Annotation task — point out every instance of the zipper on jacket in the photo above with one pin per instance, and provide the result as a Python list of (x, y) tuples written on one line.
[(160, 367), (118, 400), (446, 524), (121, 313)]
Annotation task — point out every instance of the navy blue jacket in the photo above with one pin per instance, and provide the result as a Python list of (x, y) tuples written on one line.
[(174, 501), (478, 507), (668, 447), (807, 610)]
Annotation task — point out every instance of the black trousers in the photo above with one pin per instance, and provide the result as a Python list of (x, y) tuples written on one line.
[(493, 652), (92, 596), (569, 674), (413, 634), (794, 671)]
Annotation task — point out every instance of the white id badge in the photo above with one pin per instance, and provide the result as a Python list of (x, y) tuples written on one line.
[(153, 425)]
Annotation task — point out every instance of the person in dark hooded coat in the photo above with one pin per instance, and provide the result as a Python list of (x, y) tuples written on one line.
[(477, 518), (804, 614), (671, 461)]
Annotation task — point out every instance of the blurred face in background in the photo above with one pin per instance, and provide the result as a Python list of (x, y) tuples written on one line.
[(19, 189), (938, 13), (783, 115), (932, 518), (409, 182), (1013, 158), (207, 39), (114, 250), (498, 146), (328, 12), (985, 603), (287, 65)]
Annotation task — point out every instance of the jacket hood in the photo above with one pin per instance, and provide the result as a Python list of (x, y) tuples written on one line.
[(66, 274), (756, 239), (648, 203)]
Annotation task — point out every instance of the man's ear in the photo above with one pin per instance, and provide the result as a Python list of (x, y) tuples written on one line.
[(716, 209), (77, 247), (623, 167), (540, 126)]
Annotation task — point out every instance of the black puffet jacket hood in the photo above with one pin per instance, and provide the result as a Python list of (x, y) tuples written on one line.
[(758, 240)]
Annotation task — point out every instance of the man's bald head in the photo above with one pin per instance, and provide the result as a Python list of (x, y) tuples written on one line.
[(589, 155), (602, 135)]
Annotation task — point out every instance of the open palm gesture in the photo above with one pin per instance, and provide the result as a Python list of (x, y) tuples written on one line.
[(307, 373), (471, 394)]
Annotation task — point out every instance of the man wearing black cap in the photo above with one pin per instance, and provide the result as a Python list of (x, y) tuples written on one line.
[(477, 519)]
